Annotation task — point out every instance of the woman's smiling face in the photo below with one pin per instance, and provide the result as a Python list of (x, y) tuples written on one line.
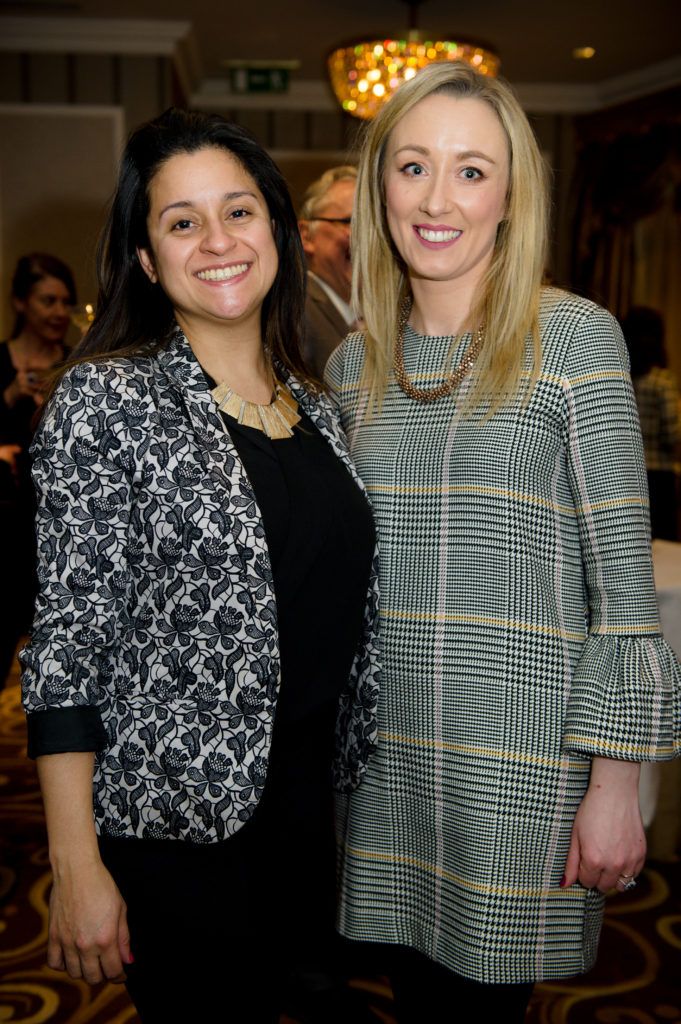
[(46, 310), (211, 244), (446, 181)]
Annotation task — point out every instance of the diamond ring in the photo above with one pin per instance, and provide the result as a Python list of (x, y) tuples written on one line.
[(627, 882)]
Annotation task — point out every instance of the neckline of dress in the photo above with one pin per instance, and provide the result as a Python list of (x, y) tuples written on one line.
[(437, 337)]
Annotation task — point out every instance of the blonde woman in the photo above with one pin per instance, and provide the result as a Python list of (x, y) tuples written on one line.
[(525, 677)]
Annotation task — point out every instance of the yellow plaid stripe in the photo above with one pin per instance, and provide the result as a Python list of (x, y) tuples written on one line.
[(574, 892)]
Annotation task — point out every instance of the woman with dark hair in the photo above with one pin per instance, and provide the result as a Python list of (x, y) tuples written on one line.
[(659, 409), (43, 292), (207, 605)]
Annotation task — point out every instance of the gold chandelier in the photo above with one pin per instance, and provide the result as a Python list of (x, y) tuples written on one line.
[(366, 74)]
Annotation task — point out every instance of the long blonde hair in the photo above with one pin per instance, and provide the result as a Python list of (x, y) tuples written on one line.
[(508, 296)]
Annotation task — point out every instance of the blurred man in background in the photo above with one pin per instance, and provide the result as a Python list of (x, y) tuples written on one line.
[(325, 231)]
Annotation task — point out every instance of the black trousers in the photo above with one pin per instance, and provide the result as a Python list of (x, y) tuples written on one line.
[(201, 953), (425, 991), (221, 932)]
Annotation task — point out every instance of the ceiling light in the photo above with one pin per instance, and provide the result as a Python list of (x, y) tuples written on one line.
[(386, 63), (365, 74), (583, 52)]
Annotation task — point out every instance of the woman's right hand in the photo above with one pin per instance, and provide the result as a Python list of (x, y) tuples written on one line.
[(88, 931), (9, 453)]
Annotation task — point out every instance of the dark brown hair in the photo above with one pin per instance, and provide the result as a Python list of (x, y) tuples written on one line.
[(31, 269), (134, 315)]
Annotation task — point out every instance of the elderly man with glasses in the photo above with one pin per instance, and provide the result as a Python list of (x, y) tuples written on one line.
[(325, 230)]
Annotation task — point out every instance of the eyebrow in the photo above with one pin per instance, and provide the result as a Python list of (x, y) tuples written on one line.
[(468, 154), (184, 204)]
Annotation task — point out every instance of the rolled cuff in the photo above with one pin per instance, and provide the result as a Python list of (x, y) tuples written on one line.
[(625, 700), (65, 730)]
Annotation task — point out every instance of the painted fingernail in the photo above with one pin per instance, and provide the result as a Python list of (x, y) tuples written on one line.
[(562, 882)]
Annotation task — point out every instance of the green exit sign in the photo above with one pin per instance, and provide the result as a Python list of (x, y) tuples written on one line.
[(256, 75), (244, 80)]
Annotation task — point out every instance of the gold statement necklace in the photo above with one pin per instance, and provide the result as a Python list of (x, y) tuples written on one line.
[(454, 378), (276, 420)]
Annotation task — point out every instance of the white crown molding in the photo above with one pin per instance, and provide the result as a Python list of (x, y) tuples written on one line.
[(643, 82), (583, 99), (557, 97), (308, 94), (91, 35), (117, 36)]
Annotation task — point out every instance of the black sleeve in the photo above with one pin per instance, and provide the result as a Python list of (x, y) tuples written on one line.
[(65, 730)]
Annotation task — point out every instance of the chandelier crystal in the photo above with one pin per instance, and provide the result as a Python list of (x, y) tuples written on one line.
[(365, 75)]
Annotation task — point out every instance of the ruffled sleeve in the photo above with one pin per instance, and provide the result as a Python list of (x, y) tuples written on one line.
[(625, 694), (625, 700)]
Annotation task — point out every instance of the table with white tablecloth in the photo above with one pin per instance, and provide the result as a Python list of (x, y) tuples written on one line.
[(661, 783), (667, 563)]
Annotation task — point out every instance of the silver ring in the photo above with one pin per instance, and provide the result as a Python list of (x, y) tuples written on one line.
[(627, 882)]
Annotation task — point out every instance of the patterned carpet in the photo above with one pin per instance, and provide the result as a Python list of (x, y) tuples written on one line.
[(638, 978)]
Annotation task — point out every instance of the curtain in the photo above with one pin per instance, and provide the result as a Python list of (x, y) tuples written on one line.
[(627, 225)]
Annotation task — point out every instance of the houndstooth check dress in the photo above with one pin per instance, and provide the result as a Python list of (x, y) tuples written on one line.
[(520, 638)]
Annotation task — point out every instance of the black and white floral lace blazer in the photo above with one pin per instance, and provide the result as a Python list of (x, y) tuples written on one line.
[(156, 625)]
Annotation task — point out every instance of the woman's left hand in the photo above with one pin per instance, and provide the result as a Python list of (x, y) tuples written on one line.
[(608, 844)]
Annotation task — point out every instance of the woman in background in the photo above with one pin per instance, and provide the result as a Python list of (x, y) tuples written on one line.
[(206, 614), (494, 425), (43, 293)]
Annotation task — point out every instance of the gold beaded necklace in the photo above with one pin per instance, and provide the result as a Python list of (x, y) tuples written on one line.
[(454, 378)]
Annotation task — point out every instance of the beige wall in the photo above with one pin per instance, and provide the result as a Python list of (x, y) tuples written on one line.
[(142, 85), (57, 172)]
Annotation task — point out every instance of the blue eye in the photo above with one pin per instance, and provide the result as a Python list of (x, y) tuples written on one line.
[(471, 173), (412, 170)]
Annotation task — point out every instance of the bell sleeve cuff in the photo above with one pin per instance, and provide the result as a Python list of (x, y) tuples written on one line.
[(625, 700)]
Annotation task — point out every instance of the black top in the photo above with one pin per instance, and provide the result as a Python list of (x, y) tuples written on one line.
[(15, 423), (16, 427), (320, 536), (17, 517)]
